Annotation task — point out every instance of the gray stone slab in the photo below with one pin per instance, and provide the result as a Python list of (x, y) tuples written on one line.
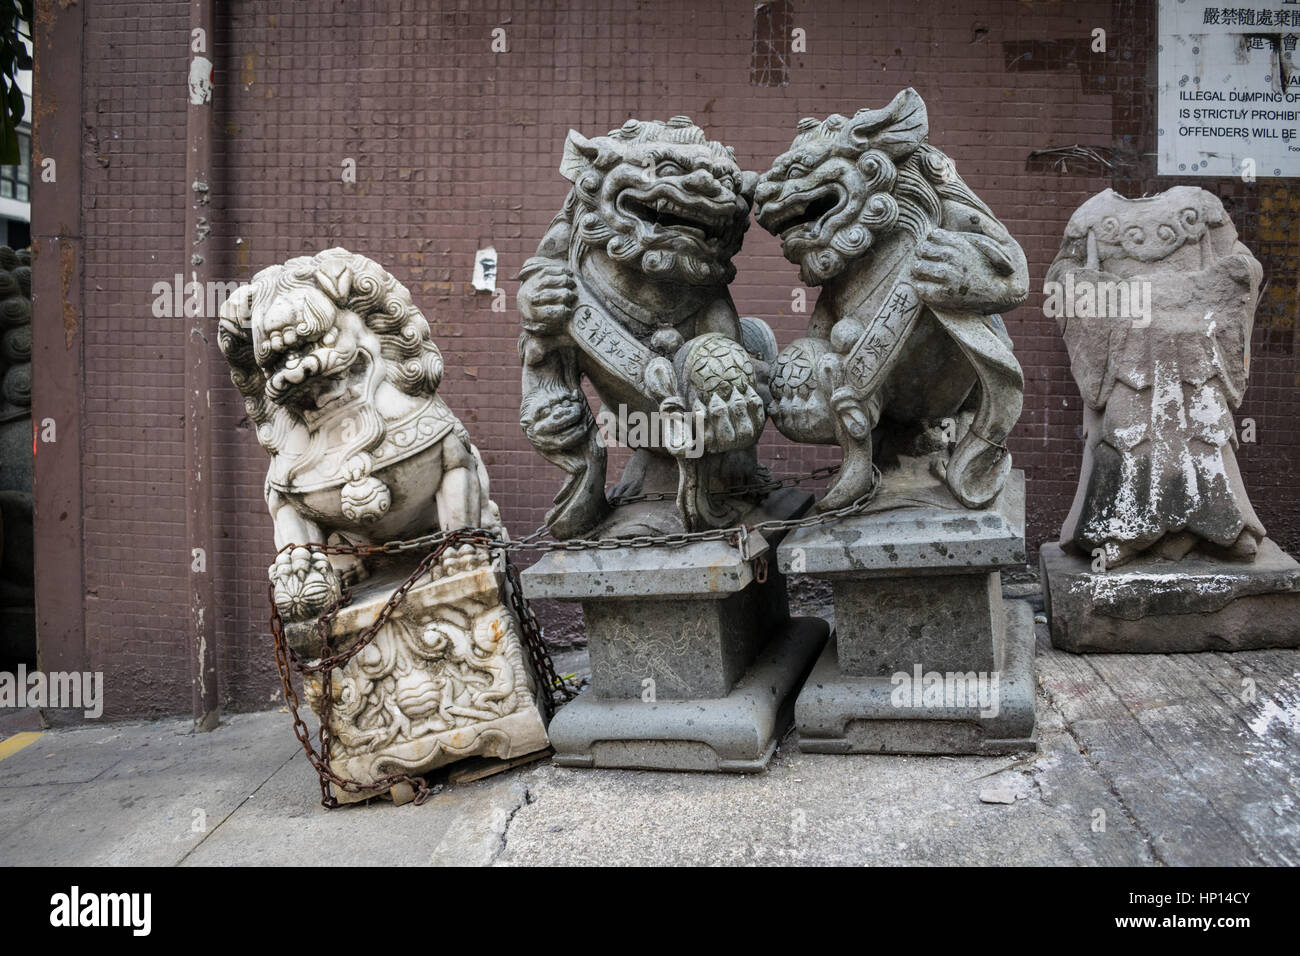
[(888, 624), (917, 528), (840, 713), (686, 648), (733, 733), (1156, 606), (701, 570)]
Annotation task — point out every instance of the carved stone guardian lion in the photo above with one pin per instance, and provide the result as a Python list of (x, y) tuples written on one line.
[(340, 376)]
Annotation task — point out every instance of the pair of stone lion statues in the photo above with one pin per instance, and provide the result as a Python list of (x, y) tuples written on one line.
[(904, 353)]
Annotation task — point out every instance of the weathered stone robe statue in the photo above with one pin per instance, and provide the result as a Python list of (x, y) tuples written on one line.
[(694, 655), (906, 366), (339, 375), (1161, 550)]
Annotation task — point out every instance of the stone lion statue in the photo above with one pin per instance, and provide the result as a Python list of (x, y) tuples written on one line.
[(340, 376), (904, 353), (628, 290)]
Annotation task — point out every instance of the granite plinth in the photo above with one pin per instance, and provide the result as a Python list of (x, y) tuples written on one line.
[(927, 657), (695, 659), (1156, 606)]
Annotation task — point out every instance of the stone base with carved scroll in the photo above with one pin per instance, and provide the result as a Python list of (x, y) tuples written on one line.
[(446, 677)]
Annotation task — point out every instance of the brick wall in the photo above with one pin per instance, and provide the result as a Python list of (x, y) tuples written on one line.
[(457, 146)]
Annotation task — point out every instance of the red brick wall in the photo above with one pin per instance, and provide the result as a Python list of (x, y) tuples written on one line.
[(457, 146)]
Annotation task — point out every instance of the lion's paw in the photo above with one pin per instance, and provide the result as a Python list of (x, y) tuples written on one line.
[(304, 583), (466, 557)]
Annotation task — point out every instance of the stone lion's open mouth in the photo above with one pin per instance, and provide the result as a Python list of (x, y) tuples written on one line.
[(290, 369), (667, 208), (801, 209)]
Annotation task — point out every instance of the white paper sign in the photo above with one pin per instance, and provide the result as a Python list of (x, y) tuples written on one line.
[(485, 270), (1229, 89)]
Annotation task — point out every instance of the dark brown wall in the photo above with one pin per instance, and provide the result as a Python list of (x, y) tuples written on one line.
[(457, 146)]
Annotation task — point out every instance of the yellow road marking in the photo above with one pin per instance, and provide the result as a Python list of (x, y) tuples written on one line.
[(11, 745)]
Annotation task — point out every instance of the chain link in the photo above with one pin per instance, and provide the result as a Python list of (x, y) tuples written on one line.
[(553, 690)]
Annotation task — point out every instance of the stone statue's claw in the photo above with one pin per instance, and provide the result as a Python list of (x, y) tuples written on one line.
[(856, 478), (304, 583)]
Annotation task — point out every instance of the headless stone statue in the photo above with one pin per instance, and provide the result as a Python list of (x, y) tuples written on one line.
[(1160, 382), (1161, 551)]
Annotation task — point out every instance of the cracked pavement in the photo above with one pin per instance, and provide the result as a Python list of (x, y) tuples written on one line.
[(1142, 760)]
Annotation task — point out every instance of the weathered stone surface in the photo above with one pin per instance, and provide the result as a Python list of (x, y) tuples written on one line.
[(340, 376), (904, 349), (913, 526), (704, 569), (884, 625), (694, 660), (930, 604), (1157, 606), (1161, 550), (628, 290), (841, 713), (1155, 298), (446, 677), (733, 733)]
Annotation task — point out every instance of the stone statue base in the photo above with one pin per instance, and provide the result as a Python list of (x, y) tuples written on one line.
[(927, 657), (446, 677), (694, 662), (1155, 606)]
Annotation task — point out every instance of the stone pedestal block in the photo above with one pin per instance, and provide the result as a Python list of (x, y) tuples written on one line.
[(1157, 606), (695, 662), (446, 677), (927, 657)]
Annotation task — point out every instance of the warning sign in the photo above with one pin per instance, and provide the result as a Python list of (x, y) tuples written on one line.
[(1229, 91)]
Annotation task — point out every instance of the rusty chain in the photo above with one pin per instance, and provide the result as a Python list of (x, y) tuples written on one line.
[(553, 689)]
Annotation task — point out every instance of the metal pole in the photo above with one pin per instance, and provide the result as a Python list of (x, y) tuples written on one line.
[(199, 340)]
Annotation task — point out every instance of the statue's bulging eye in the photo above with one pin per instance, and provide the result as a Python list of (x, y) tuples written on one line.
[(795, 171), (669, 168)]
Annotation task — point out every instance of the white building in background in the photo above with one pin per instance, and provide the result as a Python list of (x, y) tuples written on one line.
[(16, 181)]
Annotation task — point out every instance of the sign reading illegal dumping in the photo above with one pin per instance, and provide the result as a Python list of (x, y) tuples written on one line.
[(1229, 89)]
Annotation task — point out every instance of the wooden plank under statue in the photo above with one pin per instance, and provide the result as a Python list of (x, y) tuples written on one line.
[(340, 377)]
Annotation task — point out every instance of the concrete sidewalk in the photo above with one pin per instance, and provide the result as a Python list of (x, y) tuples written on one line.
[(1142, 760)]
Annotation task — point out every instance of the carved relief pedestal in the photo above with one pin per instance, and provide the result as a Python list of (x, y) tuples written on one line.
[(446, 677), (926, 657), (695, 662)]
